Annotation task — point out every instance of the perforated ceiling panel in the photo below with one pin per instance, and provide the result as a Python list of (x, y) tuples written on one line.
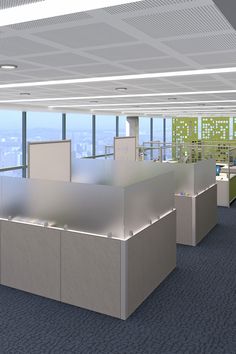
[(51, 21), (5, 4), (170, 23), (143, 5), (142, 37)]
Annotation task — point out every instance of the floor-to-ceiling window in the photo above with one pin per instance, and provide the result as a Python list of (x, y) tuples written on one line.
[(122, 125), (79, 130), (158, 129), (10, 141), (43, 126), (144, 130), (105, 132)]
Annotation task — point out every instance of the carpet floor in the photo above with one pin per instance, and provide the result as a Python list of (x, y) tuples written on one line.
[(192, 312)]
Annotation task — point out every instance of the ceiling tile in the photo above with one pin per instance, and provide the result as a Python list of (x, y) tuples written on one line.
[(157, 65), (20, 46), (98, 69), (60, 59), (220, 59), (133, 51), (87, 36), (202, 44), (199, 19), (14, 3)]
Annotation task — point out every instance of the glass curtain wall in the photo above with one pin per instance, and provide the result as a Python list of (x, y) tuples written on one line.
[(105, 132), (10, 141), (43, 126), (79, 131)]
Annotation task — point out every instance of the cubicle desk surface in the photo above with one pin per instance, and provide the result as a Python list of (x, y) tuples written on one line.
[(196, 215), (109, 275)]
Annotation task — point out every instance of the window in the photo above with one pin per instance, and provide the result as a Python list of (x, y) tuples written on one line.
[(122, 125), (168, 130), (10, 139), (12, 173), (42, 126), (144, 130), (105, 132), (79, 130), (158, 129)]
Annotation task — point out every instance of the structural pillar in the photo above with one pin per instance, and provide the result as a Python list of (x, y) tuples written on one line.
[(132, 127)]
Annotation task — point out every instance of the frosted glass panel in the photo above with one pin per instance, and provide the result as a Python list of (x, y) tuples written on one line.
[(147, 201), (89, 208), (119, 173), (204, 175), (138, 192), (195, 177), (184, 178)]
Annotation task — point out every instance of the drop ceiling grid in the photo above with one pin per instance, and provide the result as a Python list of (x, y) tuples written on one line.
[(138, 38)]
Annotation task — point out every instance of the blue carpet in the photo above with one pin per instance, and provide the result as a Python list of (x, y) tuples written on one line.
[(192, 312)]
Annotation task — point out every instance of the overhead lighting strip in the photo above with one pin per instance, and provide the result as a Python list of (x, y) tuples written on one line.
[(122, 77), (163, 108), (140, 104)]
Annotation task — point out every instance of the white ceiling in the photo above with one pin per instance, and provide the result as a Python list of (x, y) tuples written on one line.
[(143, 37)]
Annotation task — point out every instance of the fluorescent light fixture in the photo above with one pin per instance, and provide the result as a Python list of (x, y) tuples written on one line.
[(159, 94), (52, 8), (164, 108), (122, 77), (140, 104), (8, 66)]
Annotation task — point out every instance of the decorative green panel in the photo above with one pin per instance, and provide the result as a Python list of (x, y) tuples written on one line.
[(215, 129), (234, 128), (184, 130)]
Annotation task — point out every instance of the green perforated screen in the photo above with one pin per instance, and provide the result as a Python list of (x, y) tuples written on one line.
[(215, 129), (234, 128), (184, 130)]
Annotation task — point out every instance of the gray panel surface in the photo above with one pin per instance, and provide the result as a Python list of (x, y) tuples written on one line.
[(228, 9), (30, 258), (151, 257), (184, 220), (90, 272), (206, 212)]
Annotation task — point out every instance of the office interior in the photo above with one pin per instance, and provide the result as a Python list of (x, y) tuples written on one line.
[(118, 176)]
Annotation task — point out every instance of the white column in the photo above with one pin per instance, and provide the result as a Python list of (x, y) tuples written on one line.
[(132, 127)]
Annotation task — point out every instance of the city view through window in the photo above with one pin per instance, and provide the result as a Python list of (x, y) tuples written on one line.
[(44, 126)]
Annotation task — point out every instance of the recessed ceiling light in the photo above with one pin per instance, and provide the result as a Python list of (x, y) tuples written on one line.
[(159, 94), (120, 89), (8, 66)]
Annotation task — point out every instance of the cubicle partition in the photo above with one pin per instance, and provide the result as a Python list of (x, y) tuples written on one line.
[(104, 247), (195, 200)]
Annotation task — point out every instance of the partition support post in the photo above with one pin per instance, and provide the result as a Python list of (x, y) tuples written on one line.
[(63, 126), (93, 135), (117, 126), (24, 144), (151, 137), (164, 136)]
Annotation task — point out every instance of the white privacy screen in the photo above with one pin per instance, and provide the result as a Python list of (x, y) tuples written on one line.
[(125, 148), (50, 160)]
